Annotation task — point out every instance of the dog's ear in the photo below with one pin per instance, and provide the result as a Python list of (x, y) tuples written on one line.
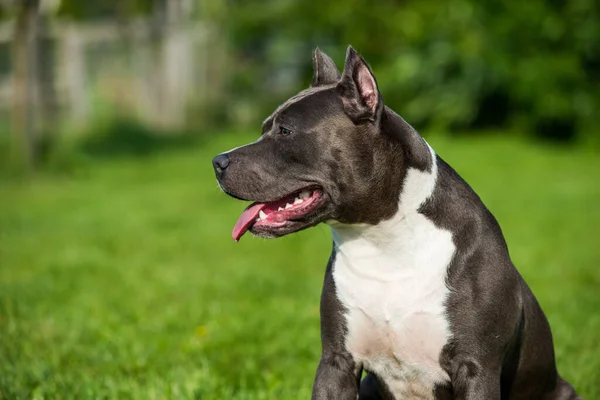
[(324, 70), (358, 89)]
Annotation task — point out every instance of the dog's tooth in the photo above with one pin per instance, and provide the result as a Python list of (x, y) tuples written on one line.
[(297, 200), (262, 214), (305, 194), (280, 209), (288, 205)]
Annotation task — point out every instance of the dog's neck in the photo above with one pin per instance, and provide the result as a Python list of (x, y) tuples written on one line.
[(392, 235), (417, 153)]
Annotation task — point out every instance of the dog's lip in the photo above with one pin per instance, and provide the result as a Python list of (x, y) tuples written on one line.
[(266, 200), (278, 213)]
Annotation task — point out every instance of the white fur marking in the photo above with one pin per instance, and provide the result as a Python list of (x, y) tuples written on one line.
[(391, 279)]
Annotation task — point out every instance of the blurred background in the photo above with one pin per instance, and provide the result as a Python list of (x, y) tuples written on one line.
[(118, 277)]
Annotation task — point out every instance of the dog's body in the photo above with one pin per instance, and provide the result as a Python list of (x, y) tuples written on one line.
[(396, 324), (419, 291)]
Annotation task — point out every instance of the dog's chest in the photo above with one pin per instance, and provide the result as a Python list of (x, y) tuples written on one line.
[(394, 298)]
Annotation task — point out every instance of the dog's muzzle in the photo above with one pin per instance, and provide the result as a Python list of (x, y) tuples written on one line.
[(220, 164)]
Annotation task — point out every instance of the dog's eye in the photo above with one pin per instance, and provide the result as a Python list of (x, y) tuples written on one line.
[(284, 131)]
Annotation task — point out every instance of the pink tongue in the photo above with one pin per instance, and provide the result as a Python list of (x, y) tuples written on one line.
[(246, 219)]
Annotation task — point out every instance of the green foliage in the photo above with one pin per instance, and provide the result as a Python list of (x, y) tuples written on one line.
[(459, 64), (102, 9), (124, 283)]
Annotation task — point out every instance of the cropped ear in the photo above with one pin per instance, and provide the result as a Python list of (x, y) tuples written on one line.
[(325, 71), (358, 89)]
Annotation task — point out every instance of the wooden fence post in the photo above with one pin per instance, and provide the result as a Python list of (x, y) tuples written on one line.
[(72, 64)]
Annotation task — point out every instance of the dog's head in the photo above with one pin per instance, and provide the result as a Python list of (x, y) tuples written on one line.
[(322, 156)]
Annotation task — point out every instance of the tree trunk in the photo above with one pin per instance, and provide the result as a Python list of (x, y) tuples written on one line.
[(24, 90), (46, 86)]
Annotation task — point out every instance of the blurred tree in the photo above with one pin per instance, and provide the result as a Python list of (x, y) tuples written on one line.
[(459, 65), (533, 65), (24, 77), (83, 10), (45, 83), (35, 104)]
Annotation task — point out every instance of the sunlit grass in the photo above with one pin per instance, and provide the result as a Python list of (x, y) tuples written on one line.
[(122, 281)]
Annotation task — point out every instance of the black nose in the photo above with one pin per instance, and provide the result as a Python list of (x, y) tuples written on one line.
[(220, 162)]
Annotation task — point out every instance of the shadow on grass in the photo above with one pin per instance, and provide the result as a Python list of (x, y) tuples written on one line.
[(119, 138), (127, 138)]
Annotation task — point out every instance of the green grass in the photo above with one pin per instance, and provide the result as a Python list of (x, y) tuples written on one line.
[(122, 281)]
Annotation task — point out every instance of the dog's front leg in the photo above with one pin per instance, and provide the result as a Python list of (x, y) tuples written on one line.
[(337, 378), (338, 375), (471, 381)]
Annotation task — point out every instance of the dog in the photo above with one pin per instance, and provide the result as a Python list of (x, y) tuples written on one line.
[(419, 291)]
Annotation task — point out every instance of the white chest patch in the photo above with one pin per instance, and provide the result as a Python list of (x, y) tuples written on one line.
[(391, 279)]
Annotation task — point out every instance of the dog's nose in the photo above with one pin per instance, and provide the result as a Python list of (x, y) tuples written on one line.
[(220, 162)]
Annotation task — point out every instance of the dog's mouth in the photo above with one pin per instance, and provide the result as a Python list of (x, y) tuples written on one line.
[(280, 214)]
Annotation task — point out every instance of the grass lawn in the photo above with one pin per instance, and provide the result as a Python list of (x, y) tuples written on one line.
[(122, 281)]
